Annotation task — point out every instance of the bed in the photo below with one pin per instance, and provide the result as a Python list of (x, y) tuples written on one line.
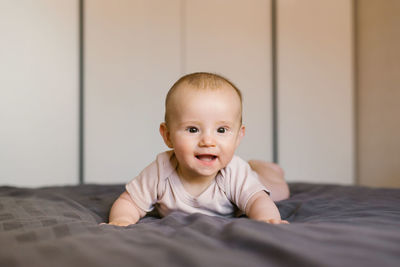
[(331, 225)]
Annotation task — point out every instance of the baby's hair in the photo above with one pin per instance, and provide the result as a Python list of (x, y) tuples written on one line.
[(201, 80)]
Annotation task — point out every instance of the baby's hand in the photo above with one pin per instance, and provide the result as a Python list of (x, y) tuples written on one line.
[(118, 223), (276, 221)]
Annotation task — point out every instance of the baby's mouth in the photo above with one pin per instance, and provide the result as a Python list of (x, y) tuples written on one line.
[(206, 157)]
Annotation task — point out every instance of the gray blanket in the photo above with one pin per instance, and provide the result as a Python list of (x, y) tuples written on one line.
[(330, 226)]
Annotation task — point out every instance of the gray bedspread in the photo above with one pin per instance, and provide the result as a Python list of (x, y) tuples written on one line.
[(331, 225)]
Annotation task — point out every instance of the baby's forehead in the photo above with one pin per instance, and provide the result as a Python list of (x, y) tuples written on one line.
[(180, 99), (187, 88)]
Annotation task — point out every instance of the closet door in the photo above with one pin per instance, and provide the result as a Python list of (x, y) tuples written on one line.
[(315, 90), (39, 92), (132, 58), (233, 38)]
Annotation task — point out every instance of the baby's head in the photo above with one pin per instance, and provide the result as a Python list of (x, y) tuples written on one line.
[(203, 123), (201, 81)]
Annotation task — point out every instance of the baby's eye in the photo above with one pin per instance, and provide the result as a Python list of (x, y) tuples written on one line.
[(221, 130), (192, 129)]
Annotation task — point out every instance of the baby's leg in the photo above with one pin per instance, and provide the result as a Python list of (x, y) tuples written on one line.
[(272, 177)]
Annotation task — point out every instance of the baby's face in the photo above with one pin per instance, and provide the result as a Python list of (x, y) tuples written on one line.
[(204, 130)]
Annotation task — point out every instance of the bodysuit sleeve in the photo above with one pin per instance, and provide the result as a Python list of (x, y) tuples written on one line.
[(144, 187), (241, 182)]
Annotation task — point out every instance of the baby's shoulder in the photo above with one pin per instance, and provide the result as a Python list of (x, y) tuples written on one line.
[(166, 163), (236, 163), (234, 168)]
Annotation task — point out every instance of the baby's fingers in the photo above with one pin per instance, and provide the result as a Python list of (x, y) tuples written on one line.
[(116, 223), (276, 221)]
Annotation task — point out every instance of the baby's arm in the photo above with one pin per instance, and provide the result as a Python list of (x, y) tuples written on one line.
[(261, 208), (124, 211)]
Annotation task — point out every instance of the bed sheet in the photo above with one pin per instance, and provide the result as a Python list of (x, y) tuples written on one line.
[(331, 225)]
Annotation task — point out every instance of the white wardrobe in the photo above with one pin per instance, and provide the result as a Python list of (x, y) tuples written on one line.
[(133, 52)]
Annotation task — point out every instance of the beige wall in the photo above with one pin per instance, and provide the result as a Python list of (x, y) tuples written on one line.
[(378, 94)]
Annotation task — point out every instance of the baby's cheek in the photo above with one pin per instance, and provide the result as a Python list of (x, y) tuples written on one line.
[(227, 155)]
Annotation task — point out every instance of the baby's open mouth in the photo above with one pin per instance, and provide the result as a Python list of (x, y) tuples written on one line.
[(206, 157)]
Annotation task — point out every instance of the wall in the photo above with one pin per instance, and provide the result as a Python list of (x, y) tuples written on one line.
[(378, 76), (135, 49)]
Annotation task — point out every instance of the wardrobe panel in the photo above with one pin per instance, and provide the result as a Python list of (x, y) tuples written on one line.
[(315, 90), (39, 92), (378, 94)]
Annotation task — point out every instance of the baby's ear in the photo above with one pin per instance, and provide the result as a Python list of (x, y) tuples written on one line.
[(242, 132), (166, 134)]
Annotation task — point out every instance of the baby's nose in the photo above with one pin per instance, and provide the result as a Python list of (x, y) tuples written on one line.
[(207, 140)]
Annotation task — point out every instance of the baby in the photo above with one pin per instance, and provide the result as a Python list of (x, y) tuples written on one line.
[(203, 127)]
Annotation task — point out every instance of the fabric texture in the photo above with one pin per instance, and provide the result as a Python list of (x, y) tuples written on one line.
[(330, 225), (158, 185)]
